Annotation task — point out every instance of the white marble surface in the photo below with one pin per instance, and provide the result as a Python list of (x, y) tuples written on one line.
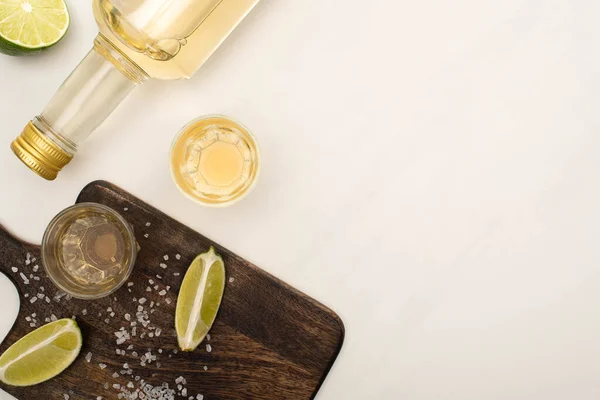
[(431, 172)]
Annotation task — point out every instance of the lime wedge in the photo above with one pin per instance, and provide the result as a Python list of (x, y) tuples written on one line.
[(42, 354), (199, 299), (28, 26)]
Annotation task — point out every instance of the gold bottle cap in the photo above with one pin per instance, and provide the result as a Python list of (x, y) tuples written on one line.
[(39, 153)]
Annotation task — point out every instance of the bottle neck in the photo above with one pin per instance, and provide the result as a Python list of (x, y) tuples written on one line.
[(89, 95)]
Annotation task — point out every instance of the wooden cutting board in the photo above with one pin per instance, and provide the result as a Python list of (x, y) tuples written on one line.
[(269, 340)]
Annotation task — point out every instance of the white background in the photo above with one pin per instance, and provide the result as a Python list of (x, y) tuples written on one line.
[(431, 172)]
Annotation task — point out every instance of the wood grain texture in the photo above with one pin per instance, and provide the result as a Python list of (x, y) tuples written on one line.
[(269, 340)]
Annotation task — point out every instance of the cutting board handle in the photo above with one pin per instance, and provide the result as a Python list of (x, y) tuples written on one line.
[(11, 245)]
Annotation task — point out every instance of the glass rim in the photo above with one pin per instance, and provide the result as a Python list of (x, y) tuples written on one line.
[(52, 227), (244, 130)]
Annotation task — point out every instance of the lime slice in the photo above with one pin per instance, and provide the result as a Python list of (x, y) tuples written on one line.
[(42, 354), (28, 26), (199, 299)]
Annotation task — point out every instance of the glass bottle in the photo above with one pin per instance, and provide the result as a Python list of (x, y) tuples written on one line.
[(138, 40)]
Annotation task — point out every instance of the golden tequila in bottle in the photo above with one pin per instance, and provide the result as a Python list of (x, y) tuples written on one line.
[(138, 40)]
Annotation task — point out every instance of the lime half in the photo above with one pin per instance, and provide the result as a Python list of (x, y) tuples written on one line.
[(199, 299), (42, 354), (28, 26)]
